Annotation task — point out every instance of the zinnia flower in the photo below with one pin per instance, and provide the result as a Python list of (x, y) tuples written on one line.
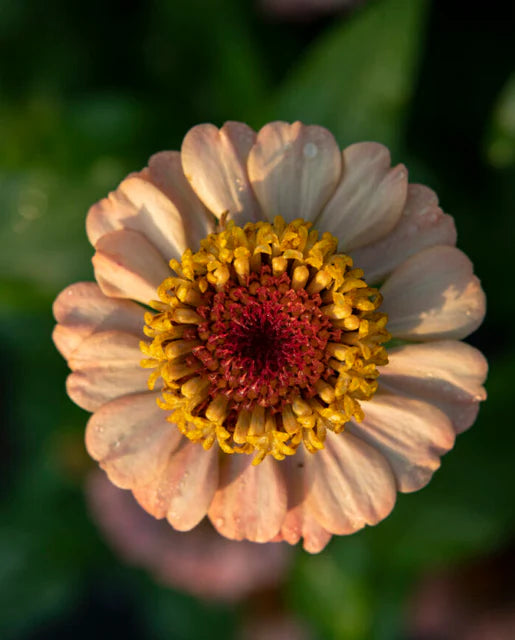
[(272, 386)]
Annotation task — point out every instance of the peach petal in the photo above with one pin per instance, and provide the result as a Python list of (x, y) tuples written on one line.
[(250, 502), (184, 489), (156, 202), (106, 366), (352, 484), (422, 224), (448, 374), (165, 171), (128, 266), (411, 434), (131, 439), (294, 169), (82, 309), (214, 161), (433, 295), (299, 521), (369, 199)]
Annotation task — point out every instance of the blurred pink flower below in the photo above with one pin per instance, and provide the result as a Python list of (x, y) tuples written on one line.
[(200, 562)]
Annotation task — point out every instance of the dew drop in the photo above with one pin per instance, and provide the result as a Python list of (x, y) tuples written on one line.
[(310, 150)]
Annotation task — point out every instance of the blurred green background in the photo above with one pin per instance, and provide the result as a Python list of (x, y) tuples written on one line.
[(87, 93)]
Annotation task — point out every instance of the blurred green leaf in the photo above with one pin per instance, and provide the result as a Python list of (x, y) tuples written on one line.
[(500, 142), (358, 78)]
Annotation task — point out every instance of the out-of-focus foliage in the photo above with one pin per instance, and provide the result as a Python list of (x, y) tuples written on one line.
[(87, 94)]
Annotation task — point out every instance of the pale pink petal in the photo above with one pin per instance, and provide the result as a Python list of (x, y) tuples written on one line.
[(422, 224), (299, 521), (352, 484), (449, 374), (128, 266), (294, 169), (131, 439), (434, 295), (251, 500), (369, 200), (214, 161), (184, 488), (158, 203), (106, 366), (411, 434), (82, 309), (165, 171)]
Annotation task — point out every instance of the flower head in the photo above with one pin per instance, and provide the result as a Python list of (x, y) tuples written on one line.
[(263, 388)]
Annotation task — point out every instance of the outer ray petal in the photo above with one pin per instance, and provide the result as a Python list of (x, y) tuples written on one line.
[(411, 434), (449, 374), (433, 295), (128, 266), (299, 521), (82, 309), (105, 366), (214, 161), (422, 224), (183, 490), (294, 169), (158, 203), (131, 439), (251, 500), (352, 484), (369, 199)]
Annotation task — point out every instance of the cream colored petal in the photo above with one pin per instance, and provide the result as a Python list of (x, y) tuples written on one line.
[(299, 521), (165, 171), (184, 488), (448, 374), (422, 224), (131, 439), (352, 484), (369, 199), (158, 203), (434, 295), (82, 309), (214, 162), (294, 169), (411, 434), (250, 502), (106, 366), (128, 266)]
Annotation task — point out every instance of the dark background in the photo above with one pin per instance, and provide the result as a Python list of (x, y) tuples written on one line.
[(88, 91)]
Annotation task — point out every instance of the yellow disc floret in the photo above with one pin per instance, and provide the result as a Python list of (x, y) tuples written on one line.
[(264, 339)]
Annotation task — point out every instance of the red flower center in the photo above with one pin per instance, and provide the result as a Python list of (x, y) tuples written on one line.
[(263, 342)]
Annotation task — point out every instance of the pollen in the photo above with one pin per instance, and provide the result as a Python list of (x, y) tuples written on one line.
[(264, 339)]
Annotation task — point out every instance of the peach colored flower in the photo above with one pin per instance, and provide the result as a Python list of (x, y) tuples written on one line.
[(199, 562), (263, 389)]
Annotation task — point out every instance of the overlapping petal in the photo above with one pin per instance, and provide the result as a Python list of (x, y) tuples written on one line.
[(214, 162), (157, 203), (434, 295), (128, 266), (448, 373), (250, 502), (352, 484), (369, 199), (294, 169), (422, 225), (82, 309), (411, 434)]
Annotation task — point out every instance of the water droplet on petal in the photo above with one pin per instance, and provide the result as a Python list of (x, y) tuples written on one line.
[(310, 150)]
